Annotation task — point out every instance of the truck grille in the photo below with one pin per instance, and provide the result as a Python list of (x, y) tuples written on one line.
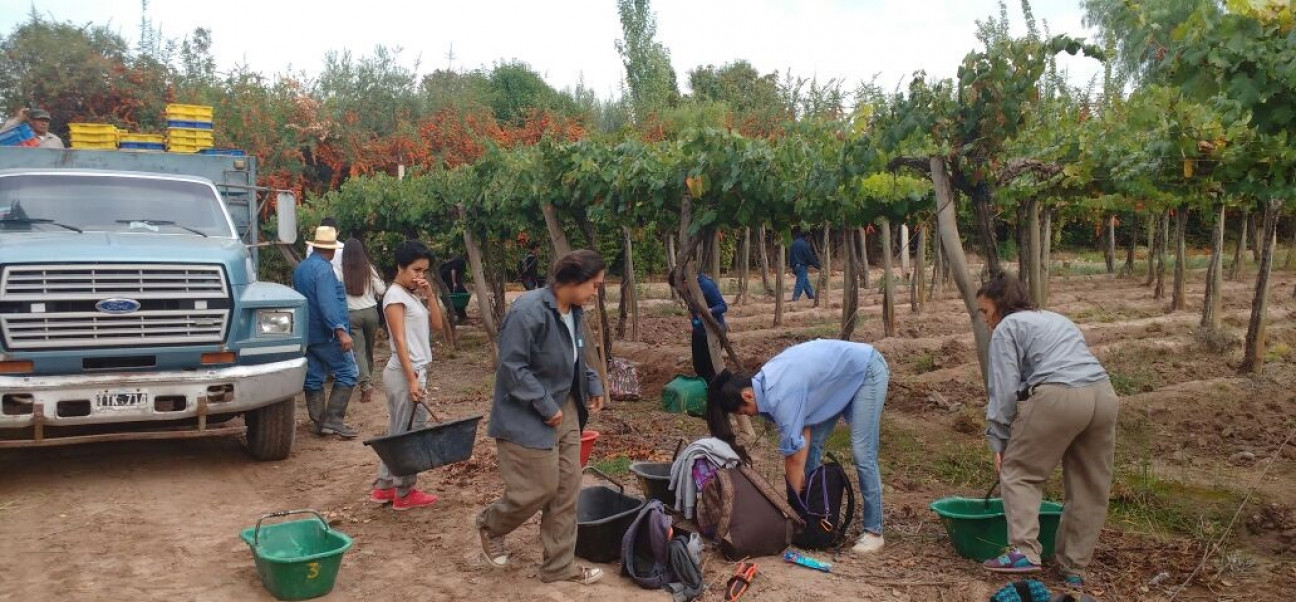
[(46, 307), (92, 283)]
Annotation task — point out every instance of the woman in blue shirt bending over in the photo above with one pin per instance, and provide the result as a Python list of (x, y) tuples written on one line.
[(804, 390)]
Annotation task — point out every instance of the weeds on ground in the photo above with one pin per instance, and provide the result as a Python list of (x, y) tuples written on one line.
[(614, 466), (1138, 380), (925, 362), (669, 310), (1217, 341), (1143, 501)]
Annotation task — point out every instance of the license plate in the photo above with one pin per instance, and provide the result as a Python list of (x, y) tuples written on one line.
[(118, 400)]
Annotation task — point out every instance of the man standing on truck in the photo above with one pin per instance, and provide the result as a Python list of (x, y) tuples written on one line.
[(39, 120), (328, 338)]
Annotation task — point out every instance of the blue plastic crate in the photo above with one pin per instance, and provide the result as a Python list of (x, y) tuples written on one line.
[(16, 135), (152, 146), (198, 125), (228, 152)]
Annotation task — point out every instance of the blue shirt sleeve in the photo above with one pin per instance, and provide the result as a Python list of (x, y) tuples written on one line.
[(331, 307), (788, 412), (714, 299)]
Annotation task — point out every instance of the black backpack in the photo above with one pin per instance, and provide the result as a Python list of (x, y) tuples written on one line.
[(654, 560), (820, 506)]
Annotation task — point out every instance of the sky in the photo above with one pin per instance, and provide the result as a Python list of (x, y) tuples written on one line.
[(572, 41)]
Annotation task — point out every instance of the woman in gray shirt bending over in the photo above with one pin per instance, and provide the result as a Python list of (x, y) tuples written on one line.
[(543, 395), (1050, 402)]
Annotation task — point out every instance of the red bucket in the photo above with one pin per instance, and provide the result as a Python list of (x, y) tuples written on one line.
[(587, 445)]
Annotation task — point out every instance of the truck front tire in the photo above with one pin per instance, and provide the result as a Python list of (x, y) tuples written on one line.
[(271, 430)]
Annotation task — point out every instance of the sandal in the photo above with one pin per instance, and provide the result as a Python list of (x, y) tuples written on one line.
[(740, 582), (587, 576)]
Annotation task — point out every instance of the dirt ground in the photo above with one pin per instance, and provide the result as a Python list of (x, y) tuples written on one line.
[(160, 520)]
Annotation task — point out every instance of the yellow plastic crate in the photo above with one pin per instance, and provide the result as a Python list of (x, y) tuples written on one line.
[(81, 144), (95, 138), (179, 112), (142, 138), (92, 129)]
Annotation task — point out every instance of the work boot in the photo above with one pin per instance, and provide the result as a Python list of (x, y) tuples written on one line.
[(315, 408), (335, 412)]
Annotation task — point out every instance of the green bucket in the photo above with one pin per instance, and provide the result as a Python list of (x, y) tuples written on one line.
[(980, 533), (297, 560), (460, 300), (685, 395)]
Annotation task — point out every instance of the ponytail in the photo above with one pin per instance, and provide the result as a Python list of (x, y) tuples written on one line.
[(724, 397)]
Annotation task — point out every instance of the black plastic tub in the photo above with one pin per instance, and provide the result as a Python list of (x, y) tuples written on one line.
[(654, 480), (427, 448), (603, 515)]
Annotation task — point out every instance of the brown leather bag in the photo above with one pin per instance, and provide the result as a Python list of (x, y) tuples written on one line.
[(747, 516)]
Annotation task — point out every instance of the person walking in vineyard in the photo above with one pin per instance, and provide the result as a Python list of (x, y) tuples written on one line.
[(802, 257), (804, 390), (412, 311), (364, 288), (453, 273), (702, 364), (1050, 402), (544, 392), (529, 267)]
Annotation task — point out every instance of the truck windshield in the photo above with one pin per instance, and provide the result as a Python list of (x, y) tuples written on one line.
[(108, 203)]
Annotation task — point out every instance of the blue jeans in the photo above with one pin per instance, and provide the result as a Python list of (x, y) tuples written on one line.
[(325, 358), (865, 418), (802, 282)]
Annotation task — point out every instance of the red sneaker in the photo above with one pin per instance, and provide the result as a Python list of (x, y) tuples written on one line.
[(383, 496), (415, 499)]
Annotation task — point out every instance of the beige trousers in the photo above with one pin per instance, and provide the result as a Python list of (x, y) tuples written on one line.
[(546, 481), (1077, 428)]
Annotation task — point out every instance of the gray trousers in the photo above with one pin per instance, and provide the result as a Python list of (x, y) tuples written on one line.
[(546, 481), (1075, 427), (399, 408), (364, 327)]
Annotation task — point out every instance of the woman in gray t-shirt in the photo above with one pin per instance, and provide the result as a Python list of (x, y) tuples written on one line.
[(412, 312)]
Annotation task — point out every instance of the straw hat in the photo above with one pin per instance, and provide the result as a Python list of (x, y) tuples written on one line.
[(325, 238)]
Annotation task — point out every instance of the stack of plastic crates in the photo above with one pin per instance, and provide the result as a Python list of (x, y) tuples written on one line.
[(101, 136), (20, 135), (189, 128), (142, 142)]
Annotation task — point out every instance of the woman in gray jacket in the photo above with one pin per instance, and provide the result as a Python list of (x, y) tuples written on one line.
[(542, 386)]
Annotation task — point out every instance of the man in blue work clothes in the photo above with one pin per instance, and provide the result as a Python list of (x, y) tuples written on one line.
[(802, 259), (702, 364), (328, 336)]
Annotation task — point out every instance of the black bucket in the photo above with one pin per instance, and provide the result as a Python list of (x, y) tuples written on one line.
[(427, 448), (654, 480), (603, 515)]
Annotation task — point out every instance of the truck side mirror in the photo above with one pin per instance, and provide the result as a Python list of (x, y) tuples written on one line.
[(286, 212)]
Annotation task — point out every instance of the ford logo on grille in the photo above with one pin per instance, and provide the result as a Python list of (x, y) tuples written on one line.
[(118, 306)]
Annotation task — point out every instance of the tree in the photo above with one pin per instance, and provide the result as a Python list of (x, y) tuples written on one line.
[(516, 91), (649, 74)]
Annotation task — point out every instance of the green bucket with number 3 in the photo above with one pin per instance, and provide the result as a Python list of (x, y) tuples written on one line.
[(297, 560)]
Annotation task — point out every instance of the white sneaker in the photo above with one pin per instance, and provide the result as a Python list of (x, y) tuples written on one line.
[(868, 543)]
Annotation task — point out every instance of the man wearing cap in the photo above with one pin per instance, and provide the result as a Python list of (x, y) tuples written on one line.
[(39, 120), (328, 338)]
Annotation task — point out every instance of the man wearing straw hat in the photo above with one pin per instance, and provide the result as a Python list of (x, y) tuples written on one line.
[(328, 336)]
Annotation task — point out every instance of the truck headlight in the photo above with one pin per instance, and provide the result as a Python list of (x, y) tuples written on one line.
[(274, 322)]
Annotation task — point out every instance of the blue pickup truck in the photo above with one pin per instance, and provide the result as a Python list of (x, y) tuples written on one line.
[(130, 306)]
